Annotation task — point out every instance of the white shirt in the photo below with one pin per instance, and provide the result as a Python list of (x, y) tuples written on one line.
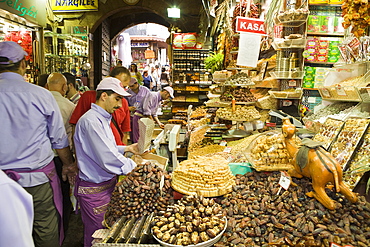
[(66, 108), (16, 214)]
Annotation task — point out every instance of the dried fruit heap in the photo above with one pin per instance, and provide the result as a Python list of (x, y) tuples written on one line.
[(258, 216), (140, 194), (193, 220)]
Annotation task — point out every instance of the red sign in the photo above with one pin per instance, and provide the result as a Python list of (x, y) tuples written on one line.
[(250, 25)]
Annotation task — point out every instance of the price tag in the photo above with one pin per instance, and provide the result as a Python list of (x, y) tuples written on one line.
[(287, 103), (292, 83), (223, 143), (227, 150), (334, 245), (311, 100), (192, 92), (161, 184), (325, 92), (340, 91), (179, 91), (285, 180)]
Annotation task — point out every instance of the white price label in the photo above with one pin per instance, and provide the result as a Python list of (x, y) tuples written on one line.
[(223, 143), (287, 103), (325, 92), (227, 150), (292, 83), (161, 184), (285, 180), (340, 91)]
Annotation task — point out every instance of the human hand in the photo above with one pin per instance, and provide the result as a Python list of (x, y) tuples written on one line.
[(134, 148), (161, 125), (70, 172), (132, 108)]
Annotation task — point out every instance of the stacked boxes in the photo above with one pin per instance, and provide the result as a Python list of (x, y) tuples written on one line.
[(323, 50), (325, 19), (314, 77)]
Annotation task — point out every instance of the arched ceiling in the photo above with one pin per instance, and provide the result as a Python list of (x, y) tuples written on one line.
[(122, 16)]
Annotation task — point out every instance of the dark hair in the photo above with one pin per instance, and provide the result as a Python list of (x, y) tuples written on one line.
[(71, 79), (99, 93), (135, 66), (163, 69), (10, 67), (42, 80), (119, 70)]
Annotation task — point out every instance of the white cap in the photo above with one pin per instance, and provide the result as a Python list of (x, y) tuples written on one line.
[(170, 90), (11, 52), (111, 83)]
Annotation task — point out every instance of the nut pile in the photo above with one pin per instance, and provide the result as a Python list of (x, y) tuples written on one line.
[(257, 216), (206, 176), (242, 113), (239, 79), (139, 194), (239, 94), (192, 221)]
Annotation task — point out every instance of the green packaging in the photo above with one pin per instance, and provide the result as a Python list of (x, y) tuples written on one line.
[(313, 23)]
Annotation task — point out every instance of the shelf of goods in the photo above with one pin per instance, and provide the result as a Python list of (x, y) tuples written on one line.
[(65, 52), (189, 60)]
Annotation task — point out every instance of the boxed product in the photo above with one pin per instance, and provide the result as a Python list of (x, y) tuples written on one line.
[(322, 58), (338, 27), (313, 23), (308, 83), (309, 70), (333, 58)]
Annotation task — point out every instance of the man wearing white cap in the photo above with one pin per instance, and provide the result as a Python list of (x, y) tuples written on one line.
[(31, 126), (152, 104), (98, 156), (139, 94)]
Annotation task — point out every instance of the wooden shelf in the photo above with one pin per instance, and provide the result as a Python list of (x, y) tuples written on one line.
[(325, 34), (325, 5)]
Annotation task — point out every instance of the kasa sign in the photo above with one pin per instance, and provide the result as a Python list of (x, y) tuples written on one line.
[(250, 25)]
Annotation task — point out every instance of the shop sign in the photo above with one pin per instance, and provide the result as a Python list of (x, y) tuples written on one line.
[(74, 5), (250, 25), (139, 44), (149, 54), (26, 9)]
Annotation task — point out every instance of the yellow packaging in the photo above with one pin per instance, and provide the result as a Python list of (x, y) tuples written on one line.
[(335, 1), (318, 1)]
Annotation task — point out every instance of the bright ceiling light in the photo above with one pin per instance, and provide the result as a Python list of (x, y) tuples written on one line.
[(173, 12)]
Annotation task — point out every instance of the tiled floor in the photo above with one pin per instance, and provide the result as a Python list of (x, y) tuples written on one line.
[(74, 234)]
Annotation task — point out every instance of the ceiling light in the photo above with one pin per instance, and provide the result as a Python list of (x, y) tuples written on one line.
[(173, 12)]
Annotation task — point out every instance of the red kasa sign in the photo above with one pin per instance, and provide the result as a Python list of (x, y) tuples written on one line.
[(250, 25)]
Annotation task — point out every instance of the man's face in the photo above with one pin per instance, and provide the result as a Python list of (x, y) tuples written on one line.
[(134, 87), (165, 95), (124, 78), (113, 102)]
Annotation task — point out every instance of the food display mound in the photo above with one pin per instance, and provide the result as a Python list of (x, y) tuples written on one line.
[(258, 215), (193, 221), (140, 193), (268, 152), (243, 95), (206, 176), (241, 113)]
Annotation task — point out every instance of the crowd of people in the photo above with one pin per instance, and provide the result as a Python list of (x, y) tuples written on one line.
[(55, 136)]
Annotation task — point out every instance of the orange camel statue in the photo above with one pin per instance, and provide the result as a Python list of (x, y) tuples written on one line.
[(318, 165)]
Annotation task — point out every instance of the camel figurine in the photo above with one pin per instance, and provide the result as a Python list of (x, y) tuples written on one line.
[(314, 162)]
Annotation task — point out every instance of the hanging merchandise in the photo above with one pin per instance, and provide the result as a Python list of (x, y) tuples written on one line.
[(177, 40), (356, 15), (23, 38)]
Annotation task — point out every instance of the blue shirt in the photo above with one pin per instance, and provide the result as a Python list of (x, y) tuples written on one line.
[(98, 157), (151, 105), (140, 98), (31, 126)]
